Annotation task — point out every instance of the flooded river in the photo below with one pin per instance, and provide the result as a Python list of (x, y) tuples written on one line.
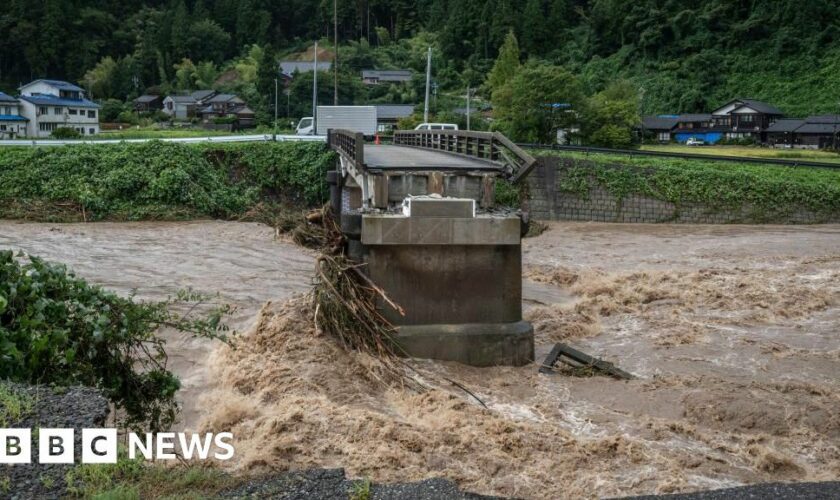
[(732, 331)]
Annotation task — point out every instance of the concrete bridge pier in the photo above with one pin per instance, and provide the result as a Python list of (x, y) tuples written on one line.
[(458, 276), (420, 214)]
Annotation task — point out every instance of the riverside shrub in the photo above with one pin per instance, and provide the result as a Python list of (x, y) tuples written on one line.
[(55, 328)]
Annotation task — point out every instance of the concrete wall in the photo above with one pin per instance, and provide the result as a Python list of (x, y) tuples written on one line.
[(548, 202)]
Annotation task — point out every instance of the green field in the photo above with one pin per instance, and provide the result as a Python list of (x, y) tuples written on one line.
[(748, 152)]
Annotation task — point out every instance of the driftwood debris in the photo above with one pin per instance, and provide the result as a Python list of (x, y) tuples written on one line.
[(579, 360)]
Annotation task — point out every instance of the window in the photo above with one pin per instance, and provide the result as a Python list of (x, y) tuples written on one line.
[(8, 110), (747, 118), (47, 127), (664, 136), (91, 131), (92, 113), (71, 111), (56, 111), (42, 110)]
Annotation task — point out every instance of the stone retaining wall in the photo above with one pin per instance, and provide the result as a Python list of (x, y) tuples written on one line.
[(548, 202)]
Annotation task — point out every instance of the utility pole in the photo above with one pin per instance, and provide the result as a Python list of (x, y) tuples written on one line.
[(315, 93), (276, 87), (428, 81), (335, 59), (468, 108)]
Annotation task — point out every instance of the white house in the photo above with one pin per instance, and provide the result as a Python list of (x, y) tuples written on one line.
[(52, 104), (12, 124)]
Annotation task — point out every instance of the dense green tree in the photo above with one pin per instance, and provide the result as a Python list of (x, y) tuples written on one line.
[(611, 115), (539, 100), (506, 65)]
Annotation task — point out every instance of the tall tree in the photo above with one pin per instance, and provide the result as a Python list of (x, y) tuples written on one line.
[(506, 65)]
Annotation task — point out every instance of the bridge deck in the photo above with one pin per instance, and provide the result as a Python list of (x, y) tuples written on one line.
[(378, 157)]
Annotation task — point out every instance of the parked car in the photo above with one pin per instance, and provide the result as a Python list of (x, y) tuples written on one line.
[(695, 142), (437, 126)]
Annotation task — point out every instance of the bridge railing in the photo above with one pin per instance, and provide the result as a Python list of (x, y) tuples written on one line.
[(348, 143), (491, 146)]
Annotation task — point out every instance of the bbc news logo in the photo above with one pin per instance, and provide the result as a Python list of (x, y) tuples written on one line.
[(99, 446)]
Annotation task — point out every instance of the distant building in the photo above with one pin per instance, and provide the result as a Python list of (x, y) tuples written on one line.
[(289, 68), (12, 123), (202, 96), (179, 107), (387, 115), (746, 118), (818, 131), (737, 119), (660, 127), (186, 106), (227, 106), (147, 102), (375, 76), (52, 104)]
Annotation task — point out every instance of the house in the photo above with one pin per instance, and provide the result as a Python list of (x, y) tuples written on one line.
[(387, 115), (52, 104), (202, 96), (661, 127), (227, 106), (288, 69), (148, 102), (375, 77), (782, 132), (698, 126), (179, 107), (12, 123), (819, 131), (746, 118)]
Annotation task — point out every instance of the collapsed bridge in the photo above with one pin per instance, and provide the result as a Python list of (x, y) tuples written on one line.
[(421, 214)]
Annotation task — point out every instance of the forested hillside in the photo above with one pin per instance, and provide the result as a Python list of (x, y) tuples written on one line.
[(682, 56)]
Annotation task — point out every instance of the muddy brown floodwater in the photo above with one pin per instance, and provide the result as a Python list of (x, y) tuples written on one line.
[(732, 331)]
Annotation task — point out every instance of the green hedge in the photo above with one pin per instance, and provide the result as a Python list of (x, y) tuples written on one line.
[(158, 180), (769, 190)]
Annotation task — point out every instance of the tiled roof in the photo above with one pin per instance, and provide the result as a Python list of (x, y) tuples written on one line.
[(393, 111), (818, 128), (182, 98), (222, 98), (51, 100), (823, 119), (147, 98), (761, 106), (659, 122), (13, 118), (6, 98), (388, 75), (289, 67), (56, 83), (786, 125), (199, 95), (695, 117)]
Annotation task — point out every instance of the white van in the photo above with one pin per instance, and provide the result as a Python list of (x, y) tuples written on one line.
[(437, 126)]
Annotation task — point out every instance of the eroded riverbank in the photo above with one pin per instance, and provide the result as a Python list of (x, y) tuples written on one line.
[(733, 331)]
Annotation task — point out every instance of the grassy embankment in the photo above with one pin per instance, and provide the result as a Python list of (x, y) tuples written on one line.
[(159, 181), (768, 190), (748, 152)]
